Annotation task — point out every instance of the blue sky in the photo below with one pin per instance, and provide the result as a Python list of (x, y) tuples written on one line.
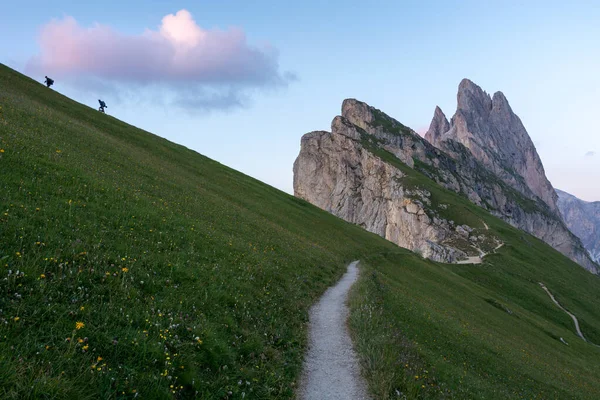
[(403, 57)]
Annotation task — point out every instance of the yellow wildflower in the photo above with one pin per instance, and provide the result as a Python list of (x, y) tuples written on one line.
[(79, 325), (124, 269), (79, 340), (85, 347), (17, 319), (1, 150), (42, 276)]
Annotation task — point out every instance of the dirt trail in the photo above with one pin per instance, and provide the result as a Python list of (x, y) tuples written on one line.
[(478, 259), (331, 369), (562, 308)]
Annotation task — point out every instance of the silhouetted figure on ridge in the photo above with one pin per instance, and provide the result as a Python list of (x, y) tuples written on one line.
[(102, 105), (49, 82)]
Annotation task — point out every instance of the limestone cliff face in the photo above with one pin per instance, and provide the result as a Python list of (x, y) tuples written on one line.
[(496, 137), (343, 172), (336, 173), (583, 218)]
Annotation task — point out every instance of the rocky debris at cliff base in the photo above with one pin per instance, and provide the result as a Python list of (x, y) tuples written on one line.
[(479, 259)]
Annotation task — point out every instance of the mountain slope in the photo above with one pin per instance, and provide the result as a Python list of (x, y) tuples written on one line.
[(432, 330), (583, 219), (172, 260), (188, 276)]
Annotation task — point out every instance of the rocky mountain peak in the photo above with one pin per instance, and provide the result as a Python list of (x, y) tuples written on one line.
[(357, 112), (471, 97), (439, 125), (361, 172), (499, 102), (494, 135)]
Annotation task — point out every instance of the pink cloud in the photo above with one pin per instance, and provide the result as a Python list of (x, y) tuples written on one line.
[(178, 54)]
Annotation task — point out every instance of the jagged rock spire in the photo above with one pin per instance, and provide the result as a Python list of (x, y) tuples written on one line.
[(439, 125), (487, 126)]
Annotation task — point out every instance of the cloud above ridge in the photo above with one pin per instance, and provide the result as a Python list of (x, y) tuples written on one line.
[(180, 57)]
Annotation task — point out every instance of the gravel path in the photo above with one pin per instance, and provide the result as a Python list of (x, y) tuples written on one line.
[(562, 308), (573, 317), (331, 370), (478, 259)]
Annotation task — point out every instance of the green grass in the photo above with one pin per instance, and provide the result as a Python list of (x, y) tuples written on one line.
[(390, 125), (151, 246), (430, 330), (193, 280)]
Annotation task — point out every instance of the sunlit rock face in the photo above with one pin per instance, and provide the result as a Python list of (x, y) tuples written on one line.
[(348, 172)]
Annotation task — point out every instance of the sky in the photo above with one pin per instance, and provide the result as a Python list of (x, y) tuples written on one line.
[(241, 81)]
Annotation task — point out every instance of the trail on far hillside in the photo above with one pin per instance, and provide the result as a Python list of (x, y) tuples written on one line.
[(331, 369), (479, 259), (577, 328)]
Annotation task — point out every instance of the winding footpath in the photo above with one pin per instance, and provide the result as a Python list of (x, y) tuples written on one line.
[(478, 259), (331, 370), (573, 317)]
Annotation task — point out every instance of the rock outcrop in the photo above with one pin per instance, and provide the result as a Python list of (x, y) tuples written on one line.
[(357, 172), (495, 136), (583, 219), (336, 173)]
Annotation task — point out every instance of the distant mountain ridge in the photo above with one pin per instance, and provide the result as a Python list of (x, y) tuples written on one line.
[(583, 219), (361, 171)]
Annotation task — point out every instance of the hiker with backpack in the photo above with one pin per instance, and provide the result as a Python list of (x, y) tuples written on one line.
[(102, 105), (49, 82)]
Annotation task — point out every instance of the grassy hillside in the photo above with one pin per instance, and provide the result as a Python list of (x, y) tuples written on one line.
[(431, 330), (131, 267), (183, 275)]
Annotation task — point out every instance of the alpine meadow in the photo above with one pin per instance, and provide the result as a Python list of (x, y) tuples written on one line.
[(133, 267)]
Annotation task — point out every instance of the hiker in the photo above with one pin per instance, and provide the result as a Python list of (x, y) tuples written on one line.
[(49, 82), (102, 105)]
